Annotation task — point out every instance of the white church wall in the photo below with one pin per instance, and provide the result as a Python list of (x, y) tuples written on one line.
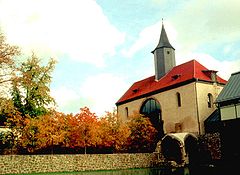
[(204, 111), (179, 118), (176, 118)]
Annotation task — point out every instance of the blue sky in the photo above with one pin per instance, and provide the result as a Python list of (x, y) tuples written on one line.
[(104, 46)]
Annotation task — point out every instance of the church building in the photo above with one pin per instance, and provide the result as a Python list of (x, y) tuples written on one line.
[(178, 98)]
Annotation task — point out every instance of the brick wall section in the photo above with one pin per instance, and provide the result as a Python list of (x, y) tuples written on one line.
[(19, 164)]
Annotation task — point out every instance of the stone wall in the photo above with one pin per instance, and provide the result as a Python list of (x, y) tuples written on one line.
[(19, 164)]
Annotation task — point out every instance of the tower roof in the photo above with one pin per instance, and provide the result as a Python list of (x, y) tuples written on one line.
[(185, 73), (163, 41)]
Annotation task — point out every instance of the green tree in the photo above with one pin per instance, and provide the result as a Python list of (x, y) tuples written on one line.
[(31, 87)]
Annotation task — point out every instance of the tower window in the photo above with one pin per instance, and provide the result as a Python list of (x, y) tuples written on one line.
[(179, 99), (168, 52), (210, 100)]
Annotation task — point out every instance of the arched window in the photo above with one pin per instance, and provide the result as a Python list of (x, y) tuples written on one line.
[(150, 106), (179, 99), (210, 100), (126, 111)]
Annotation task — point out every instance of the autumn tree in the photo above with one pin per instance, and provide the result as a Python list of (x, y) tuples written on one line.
[(51, 131), (30, 98), (6, 107), (23, 131), (7, 54), (31, 87), (7, 67), (83, 130), (113, 132), (143, 135), (5, 140)]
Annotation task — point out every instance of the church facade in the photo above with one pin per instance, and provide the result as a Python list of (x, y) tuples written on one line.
[(177, 98)]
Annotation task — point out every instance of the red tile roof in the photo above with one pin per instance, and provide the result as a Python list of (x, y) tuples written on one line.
[(179, 75)]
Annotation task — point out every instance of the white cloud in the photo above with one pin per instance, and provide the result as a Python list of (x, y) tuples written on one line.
[(103, 91), (150, 36), (64, 95), (99, 93), (78, 29), (67, 99), (201, 22)]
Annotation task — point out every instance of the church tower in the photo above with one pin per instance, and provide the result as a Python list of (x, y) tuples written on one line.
[(164, 56)]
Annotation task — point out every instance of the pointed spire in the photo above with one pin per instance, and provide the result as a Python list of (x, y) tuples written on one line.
[(163, 42)]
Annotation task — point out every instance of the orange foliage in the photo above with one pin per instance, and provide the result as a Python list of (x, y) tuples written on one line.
[(83, 129), (143, 135), (23, 131), (51, 130), (113, 132)]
